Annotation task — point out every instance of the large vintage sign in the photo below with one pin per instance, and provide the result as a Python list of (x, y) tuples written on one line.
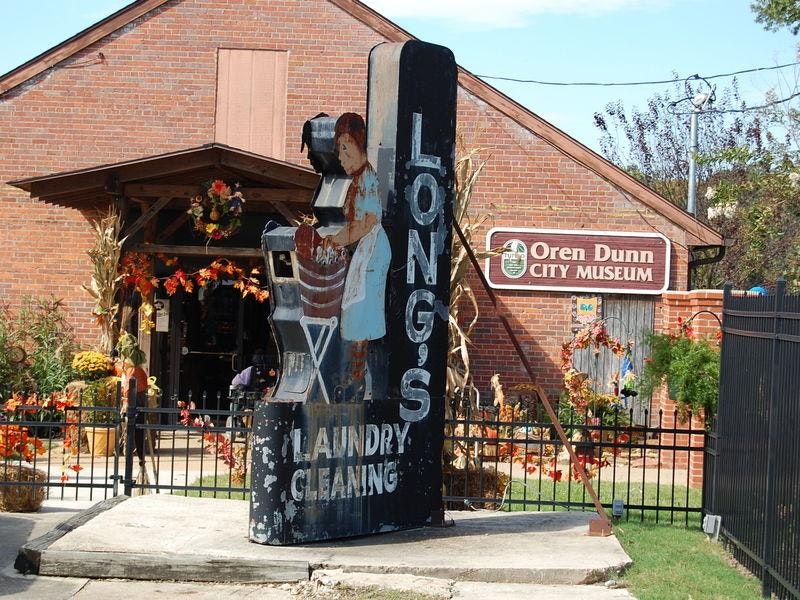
[(578, 260), (351, 441)]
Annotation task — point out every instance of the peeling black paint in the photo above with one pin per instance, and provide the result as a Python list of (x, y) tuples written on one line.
[(344, 463)]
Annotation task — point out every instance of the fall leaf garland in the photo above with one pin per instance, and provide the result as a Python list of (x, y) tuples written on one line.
[(577, 383), (136, 272)]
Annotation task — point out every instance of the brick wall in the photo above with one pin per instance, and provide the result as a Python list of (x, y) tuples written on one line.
[(685, 305), (155, 93)]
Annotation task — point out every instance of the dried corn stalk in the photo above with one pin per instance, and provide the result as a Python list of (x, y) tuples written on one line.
[(106, 280), (468, 167), (467, 170)]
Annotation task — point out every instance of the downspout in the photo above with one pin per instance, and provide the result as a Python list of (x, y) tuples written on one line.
[(707, 260)]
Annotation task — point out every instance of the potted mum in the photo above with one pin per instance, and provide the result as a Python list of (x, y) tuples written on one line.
[(99, 389)]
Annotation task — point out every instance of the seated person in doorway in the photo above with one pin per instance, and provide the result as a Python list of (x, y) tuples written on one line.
[(258, 377)]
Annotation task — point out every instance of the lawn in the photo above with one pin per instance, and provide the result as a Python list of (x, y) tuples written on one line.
[(528, 495), (676, 563), (552, 495), (222, 481)]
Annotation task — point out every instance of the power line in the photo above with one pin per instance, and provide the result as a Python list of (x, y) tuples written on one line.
[(722, 111), (634, 83)]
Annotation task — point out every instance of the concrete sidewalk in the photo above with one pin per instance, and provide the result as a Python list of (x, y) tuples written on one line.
[(485, 555)]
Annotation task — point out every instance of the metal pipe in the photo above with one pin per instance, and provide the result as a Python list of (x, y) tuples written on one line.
[(691, 203)]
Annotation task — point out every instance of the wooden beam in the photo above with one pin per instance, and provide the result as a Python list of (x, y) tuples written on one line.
[(277, 197), (149, 566), (30, 554), (95, 179), (273, 170), (197, 250), (294, 195), (146, 216), (290, 196), (172, 227)]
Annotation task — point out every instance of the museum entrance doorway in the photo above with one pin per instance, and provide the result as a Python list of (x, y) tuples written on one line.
[(213, 334)]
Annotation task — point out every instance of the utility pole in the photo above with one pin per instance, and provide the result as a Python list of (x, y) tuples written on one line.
[(698, 102)]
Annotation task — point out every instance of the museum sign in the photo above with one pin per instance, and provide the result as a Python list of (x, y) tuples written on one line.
[(578, 261)]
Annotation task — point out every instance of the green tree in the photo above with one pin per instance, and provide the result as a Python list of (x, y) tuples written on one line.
[(775, 14), (652, 144), (756, 203), (747, 176)]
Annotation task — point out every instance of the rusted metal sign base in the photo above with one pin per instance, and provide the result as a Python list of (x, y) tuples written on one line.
[(599, 527)]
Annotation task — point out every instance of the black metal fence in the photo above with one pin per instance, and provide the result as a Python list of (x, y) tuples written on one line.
[(494, 461), (753, 468), (68, 447), (52, 447), (188, 451), (521, 465)]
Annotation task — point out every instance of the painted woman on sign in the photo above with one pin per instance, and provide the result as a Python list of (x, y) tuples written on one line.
[(363, 315)]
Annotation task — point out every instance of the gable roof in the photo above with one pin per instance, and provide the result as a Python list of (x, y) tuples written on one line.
[(699, 234), (76, 43), (193, 166)]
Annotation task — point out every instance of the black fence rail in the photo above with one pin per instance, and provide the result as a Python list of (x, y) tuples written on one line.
[(640, 473), (754, 471), (55, 448), (494, 462), (68, 447)]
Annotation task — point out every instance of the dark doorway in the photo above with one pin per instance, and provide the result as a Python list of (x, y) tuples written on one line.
[(213, 335)]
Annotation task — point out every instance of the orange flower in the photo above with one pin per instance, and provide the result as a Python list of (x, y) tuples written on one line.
[(12, 404), (218, 186)]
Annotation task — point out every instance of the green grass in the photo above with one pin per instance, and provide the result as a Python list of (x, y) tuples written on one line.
[(525, 495), (211, 481), (675, 563), (554, 496)]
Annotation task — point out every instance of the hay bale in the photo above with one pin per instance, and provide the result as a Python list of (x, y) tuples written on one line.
[(21, 498), (474, 483)]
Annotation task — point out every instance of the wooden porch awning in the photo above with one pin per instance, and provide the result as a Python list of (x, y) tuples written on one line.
[(178, 176)]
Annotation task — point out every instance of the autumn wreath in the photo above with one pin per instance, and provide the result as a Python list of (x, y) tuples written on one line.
[(217, 213)]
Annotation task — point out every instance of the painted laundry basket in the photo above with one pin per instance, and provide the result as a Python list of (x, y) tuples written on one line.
[(322, 285)]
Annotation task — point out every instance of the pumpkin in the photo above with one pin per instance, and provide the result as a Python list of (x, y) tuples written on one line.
[(125, 371), (129, 363)]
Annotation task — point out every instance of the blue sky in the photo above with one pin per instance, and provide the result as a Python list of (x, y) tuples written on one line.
[(553, 40)]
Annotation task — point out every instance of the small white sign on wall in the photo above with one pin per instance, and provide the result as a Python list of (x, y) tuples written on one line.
[(162, 315)]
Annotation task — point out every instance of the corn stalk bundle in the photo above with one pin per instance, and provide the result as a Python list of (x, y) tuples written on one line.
[(106, 280)]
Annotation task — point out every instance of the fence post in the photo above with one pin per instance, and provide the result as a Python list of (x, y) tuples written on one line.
[(717, 429), (130, 437), (780, 289)]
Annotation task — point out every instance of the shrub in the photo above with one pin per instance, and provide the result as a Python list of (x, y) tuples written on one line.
[(41, 337), (688, 365)]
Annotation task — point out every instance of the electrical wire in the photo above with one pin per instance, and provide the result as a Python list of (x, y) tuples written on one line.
[(722, 111), (635, 83)]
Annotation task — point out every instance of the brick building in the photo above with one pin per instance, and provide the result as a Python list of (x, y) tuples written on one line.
[(172, 92)]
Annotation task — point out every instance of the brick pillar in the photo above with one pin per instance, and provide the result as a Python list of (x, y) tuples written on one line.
[(684, 305)]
